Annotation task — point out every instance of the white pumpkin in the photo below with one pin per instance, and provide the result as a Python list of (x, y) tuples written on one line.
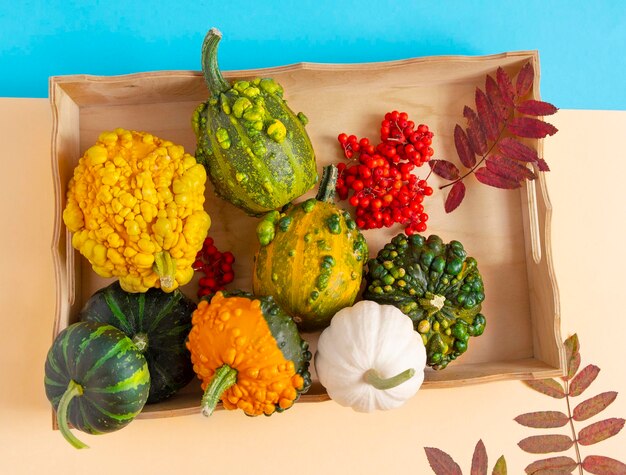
[(370, 357)]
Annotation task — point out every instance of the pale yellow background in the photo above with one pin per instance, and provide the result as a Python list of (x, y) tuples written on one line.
[(587, 190)]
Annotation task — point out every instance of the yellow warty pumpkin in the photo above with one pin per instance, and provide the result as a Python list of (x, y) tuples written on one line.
[(135, 206)]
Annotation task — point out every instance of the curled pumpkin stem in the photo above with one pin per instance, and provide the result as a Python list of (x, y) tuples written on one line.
[(73, 390), (224, 378), (373, 377)]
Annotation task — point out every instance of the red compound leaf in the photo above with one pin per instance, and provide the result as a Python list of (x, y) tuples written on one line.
[(488, 177), (536, 108), (500, 105), (506, 87), (545, 444), (455, 196), (487, 115), (599, 431), (441, 463), (552, 465), (463, 147), (479, 460), (525, 79), (543, 419), (593, 406), (444, 169), (600, 465), (531, 128)]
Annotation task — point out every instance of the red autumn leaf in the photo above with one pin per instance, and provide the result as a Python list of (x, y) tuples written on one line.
[(455, 197), (531, 127), (583, 380), (475, 132), (487, 177), (600, 431), (441, 462), (463, 147), (500, 106), (479, 460), (599, 465), (500, 467), (543, 166), (525, 80), (444, 169), (544, 444), (553, 464), (537, 108), (506, 86), (549, 387), (507, 168), (512, 148), (593, 406), (543, 419), (487, 115), (572, 348)]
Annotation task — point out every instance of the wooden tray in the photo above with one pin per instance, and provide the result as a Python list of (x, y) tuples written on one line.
[(507, 231)]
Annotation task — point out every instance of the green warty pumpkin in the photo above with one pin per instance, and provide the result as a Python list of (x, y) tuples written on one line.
[(255, 148), (437, 285), (311, 258)]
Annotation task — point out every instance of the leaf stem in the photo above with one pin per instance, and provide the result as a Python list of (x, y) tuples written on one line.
[(484, 157), (571, 423)]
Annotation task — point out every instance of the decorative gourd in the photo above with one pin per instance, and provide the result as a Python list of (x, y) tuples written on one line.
[(158, 324), (256, 151), (248, 353), (370, 357), (135, 206), (435, 284), (310, 258), (96, 379)]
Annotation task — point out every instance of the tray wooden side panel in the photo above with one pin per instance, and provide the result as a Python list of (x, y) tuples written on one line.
[(507, 231)]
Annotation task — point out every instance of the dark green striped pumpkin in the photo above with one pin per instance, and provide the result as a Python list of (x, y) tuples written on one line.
[(96, 379), (255, 148), (158, 323)]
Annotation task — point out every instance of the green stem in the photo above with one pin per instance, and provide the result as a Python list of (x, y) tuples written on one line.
[(165, 267), (73, 390), (326, 190), (223, 379), (372, 377), (212, 74)]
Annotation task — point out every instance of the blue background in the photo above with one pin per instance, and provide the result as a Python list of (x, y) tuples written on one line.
[(581, 43)]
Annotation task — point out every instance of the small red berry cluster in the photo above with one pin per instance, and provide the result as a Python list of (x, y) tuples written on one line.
[(384, 189), (216, 266)]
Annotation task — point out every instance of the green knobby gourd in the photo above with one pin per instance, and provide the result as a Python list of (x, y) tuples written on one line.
[(311, 257), (437, 285), (255, 148)]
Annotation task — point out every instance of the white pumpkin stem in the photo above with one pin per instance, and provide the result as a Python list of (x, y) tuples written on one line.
[(372, 377)]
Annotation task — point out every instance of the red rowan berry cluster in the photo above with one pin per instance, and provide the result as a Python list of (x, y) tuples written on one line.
[(379, 181), (216, 266)]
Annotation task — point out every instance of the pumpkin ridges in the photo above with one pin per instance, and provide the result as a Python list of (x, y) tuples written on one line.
[(80, 412), (164, 319)]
